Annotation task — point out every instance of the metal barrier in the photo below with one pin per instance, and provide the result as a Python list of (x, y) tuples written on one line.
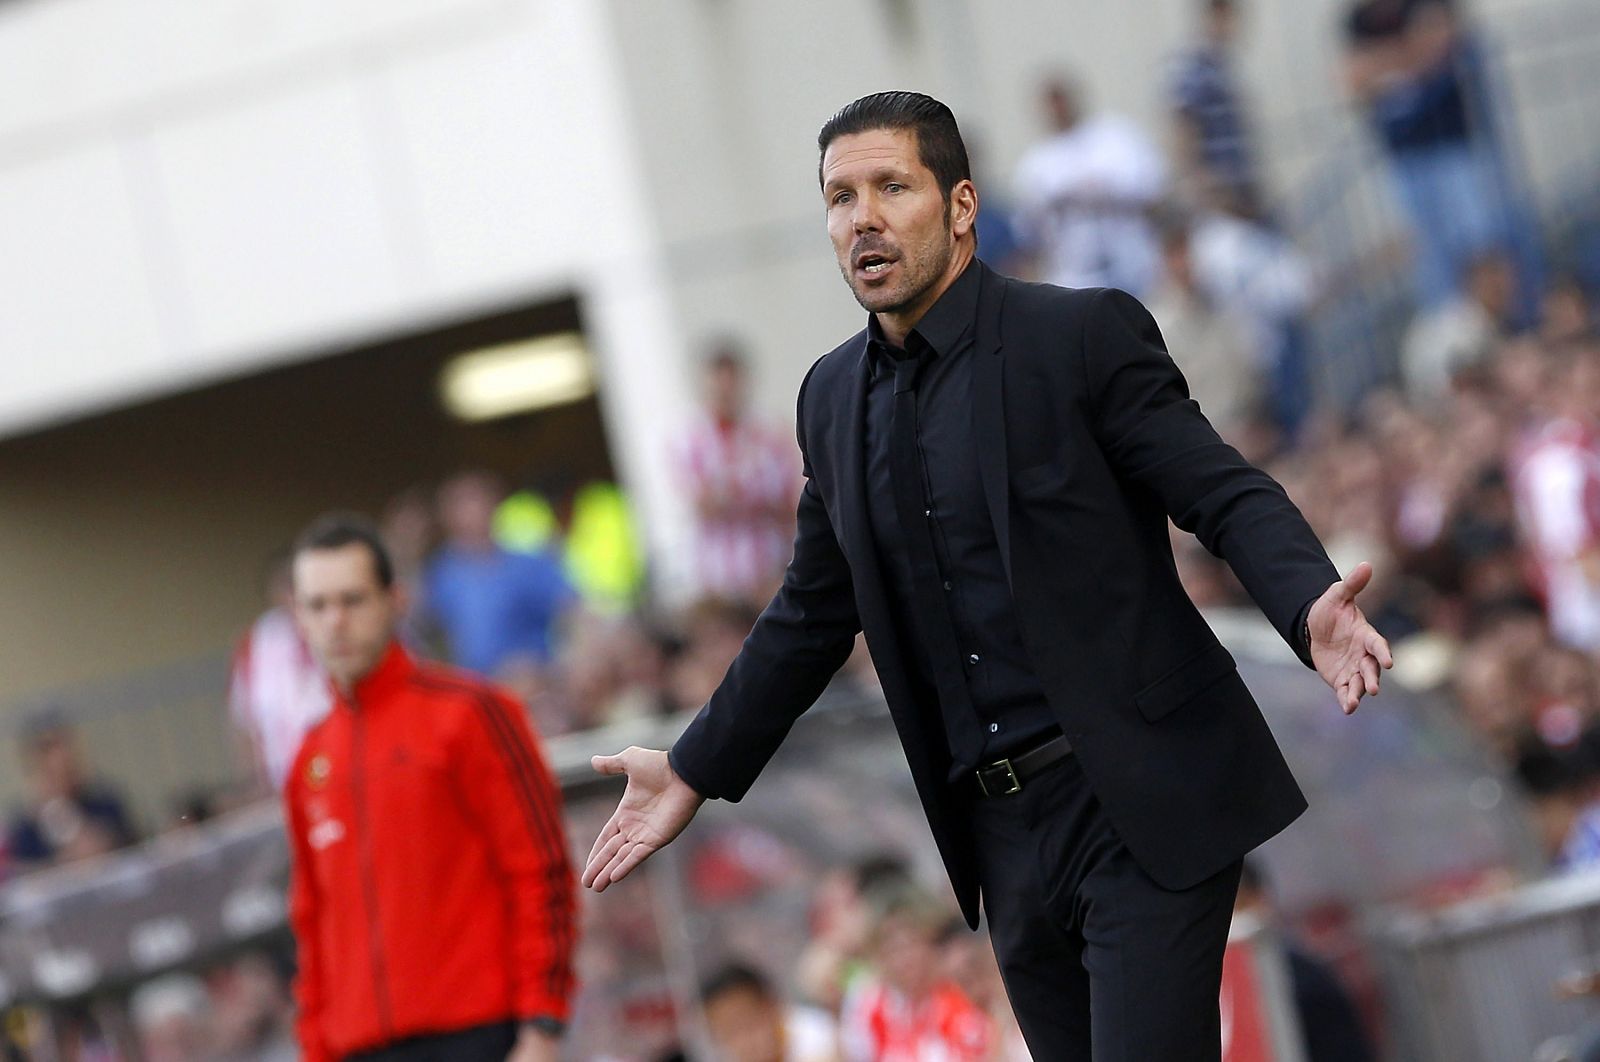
[(739, 886), (1476, 982)]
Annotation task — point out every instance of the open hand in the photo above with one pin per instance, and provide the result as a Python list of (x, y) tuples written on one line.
[(655, 808), (1346, 649)]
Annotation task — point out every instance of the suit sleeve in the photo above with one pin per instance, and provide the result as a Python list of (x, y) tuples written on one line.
[(303, 912), (804, 635), (1155, 435), (509, 792)]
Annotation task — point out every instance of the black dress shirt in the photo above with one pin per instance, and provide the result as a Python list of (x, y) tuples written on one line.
[(968, 654)]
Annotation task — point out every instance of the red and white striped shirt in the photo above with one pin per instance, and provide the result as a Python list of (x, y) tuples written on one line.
[(878, 1024), (1555, 475), (744, 480)]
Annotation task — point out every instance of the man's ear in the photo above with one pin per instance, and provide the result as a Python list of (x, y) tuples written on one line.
[(400, 597), (963, 207)]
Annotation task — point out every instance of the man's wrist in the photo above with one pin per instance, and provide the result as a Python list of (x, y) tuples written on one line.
[(544, 1025)]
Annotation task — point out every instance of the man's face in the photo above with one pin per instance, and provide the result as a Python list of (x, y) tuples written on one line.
[(745, 1026), (889, 223), (347, 617), (907, 958), (466, 508), (55, 762)]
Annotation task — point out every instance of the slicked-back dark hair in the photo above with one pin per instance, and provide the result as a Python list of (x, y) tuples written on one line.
[(939, 143), (338, 530)]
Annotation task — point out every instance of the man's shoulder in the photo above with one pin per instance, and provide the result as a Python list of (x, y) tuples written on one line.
[(441, 682), (1030, 302)]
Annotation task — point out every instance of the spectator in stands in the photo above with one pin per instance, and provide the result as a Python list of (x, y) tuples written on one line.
[(1565, 317), (1330, 1025), (1250, 266), (613, 670), (496, 608), (748, 1022), (421, 797), (410, 530), (836, 956), (1555, 475), (1562, 783), (1214, 347), (909, 1011), (1214, 154), (967, 960), (713, 631), (1419, 74), (68, 817), (276, 691), (172, 1020), (1084, 196), (252, 1014), (743, 478), (1462, 332)]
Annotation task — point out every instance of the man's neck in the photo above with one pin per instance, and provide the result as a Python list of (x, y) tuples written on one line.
[(897, 326)]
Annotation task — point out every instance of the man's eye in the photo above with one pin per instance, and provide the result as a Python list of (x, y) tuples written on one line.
[(894, 186), (840, 197)]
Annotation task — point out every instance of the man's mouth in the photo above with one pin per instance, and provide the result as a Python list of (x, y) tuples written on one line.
[(873, 264)]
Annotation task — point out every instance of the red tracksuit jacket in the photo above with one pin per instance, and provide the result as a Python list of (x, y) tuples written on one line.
[(431, 889)]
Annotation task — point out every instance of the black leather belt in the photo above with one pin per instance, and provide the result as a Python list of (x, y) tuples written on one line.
[(1004, 777)]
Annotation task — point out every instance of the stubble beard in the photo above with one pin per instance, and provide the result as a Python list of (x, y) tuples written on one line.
[(921, 273)]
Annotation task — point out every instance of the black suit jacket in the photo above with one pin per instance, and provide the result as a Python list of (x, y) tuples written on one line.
[(1087, 442)]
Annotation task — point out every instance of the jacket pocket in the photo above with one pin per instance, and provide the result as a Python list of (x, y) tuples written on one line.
[(1178, 686)]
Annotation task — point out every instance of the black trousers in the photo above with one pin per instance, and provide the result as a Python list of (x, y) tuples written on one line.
[(481, 1043), (1101, 964)]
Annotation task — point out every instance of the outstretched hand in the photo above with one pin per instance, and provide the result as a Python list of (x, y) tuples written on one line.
[(655, 808), (1346, 649)]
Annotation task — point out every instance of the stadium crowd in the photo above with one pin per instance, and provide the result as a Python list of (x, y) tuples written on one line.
[(1471, 480)]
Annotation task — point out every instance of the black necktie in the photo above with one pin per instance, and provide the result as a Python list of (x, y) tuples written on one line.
[(905, 460)]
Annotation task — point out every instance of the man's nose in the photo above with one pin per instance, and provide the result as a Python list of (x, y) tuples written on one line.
[(866, 218)]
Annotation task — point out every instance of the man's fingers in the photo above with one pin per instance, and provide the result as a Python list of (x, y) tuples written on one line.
[(638, 855), (601, 856), (1378, 646), (608, 831), (618, 867), (1369, 674)]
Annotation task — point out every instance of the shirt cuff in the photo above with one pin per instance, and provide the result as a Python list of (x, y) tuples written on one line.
[(1302, 634)]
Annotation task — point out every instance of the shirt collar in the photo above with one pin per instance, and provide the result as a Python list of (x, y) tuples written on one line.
[(940, 330), (391, 671)]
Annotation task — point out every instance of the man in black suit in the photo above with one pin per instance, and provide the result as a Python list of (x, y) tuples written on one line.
[(990, 467)]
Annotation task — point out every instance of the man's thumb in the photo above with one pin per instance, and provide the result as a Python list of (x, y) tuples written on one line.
[(608, 764), (1357, 580)]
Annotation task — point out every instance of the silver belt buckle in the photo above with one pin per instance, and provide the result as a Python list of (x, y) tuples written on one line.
[(1014, 784)]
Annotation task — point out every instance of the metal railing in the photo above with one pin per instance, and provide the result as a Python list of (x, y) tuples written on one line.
[(1477, 982)]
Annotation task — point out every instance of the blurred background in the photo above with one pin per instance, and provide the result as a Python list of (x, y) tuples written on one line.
[(534, 282)]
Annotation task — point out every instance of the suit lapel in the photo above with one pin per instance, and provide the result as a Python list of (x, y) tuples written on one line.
[(989, 414)]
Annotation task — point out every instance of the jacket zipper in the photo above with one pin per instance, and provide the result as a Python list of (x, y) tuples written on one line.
[(369, 882)]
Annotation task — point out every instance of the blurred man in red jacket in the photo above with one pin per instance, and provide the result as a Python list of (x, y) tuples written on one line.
[(431, 894)]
